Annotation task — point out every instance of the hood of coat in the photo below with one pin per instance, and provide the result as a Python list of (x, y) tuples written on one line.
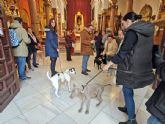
[(144, 28), (15, 24)]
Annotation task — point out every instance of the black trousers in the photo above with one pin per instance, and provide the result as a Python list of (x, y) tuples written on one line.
[(28, 58), (68, 53), (53, 65)]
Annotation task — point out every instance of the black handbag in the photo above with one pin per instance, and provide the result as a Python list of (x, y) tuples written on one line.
[(157, 57)]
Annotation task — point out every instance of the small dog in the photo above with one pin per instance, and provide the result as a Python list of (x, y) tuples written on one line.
[(63, 77), (89, 91), (98, 61)]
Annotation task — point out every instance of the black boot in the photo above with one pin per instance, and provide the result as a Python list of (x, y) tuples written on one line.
[(133, 121), (123, 109)]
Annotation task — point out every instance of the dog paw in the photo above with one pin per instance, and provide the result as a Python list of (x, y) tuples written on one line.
[(86, 112), (79, 110)]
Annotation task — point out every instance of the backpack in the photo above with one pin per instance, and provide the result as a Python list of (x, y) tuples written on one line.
[(14, 40)]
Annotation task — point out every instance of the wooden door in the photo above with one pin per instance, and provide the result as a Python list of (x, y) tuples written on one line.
[(9, 83)]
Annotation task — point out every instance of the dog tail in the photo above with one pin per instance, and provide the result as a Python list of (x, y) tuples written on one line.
[(107, 85), (48, 75)]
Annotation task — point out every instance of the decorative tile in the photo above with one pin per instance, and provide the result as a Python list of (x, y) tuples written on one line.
[(18, 120), (103, 118), (62, 119), (81, 118), (39, 115), (10, 112)]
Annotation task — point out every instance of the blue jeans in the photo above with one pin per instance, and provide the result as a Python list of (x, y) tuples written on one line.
[(129, 102), (21, 63), (153, 120), (34, 58), (85, 62)]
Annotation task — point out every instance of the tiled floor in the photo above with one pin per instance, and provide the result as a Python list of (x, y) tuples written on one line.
[(36, 104)]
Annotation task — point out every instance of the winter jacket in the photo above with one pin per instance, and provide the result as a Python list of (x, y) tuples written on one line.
[(98, 43), (86, 46), (21, 50), (110, 48), (68, 41), (156, 103), (134, 58), (32, 45), (51, 43)]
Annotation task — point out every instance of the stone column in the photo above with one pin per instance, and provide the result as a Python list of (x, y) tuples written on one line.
[(47, 6), (103, 20), (113, 11), (55, 15), (34, 17), (129, 5), (99, 22)]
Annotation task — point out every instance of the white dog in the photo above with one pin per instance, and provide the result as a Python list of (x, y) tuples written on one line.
[(63, 77)]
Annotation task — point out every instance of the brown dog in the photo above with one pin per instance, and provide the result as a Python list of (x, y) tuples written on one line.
[(89, 91)]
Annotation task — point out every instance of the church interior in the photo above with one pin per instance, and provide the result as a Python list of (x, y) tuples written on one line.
[(31, 101)]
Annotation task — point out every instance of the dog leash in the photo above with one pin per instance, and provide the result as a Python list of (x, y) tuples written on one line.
[(60, 62), (91, 79), (128, 72)]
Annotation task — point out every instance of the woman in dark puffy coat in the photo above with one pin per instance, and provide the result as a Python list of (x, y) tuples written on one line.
[(156, 104), (134, 61), (51, 44)]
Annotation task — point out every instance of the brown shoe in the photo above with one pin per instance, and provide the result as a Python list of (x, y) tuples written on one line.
[(84, 73)]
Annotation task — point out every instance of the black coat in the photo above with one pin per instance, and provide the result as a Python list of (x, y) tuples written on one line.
[(156, 103), (32, 45), (135, 56), (98, 42)]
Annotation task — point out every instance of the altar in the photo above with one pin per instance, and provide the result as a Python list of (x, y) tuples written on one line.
[(77, 44), (78, 27)]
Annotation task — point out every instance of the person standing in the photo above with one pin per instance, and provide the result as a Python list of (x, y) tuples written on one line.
[(134, 61), (32, 49), (86, 47), (68, 45), (98, 43), (51, 44), (121, 38), (21, 52), (155, 104), (110, 48)]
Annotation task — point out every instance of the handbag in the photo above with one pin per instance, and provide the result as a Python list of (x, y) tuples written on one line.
[(157, 57)]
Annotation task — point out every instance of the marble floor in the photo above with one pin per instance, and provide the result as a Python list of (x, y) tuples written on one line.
[(36, 104)]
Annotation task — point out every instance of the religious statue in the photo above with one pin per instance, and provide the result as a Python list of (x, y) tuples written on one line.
[(79, 22)]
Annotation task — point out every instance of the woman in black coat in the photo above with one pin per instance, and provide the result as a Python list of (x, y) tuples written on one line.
[(134, 61), (32, 49), (156, 103)]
